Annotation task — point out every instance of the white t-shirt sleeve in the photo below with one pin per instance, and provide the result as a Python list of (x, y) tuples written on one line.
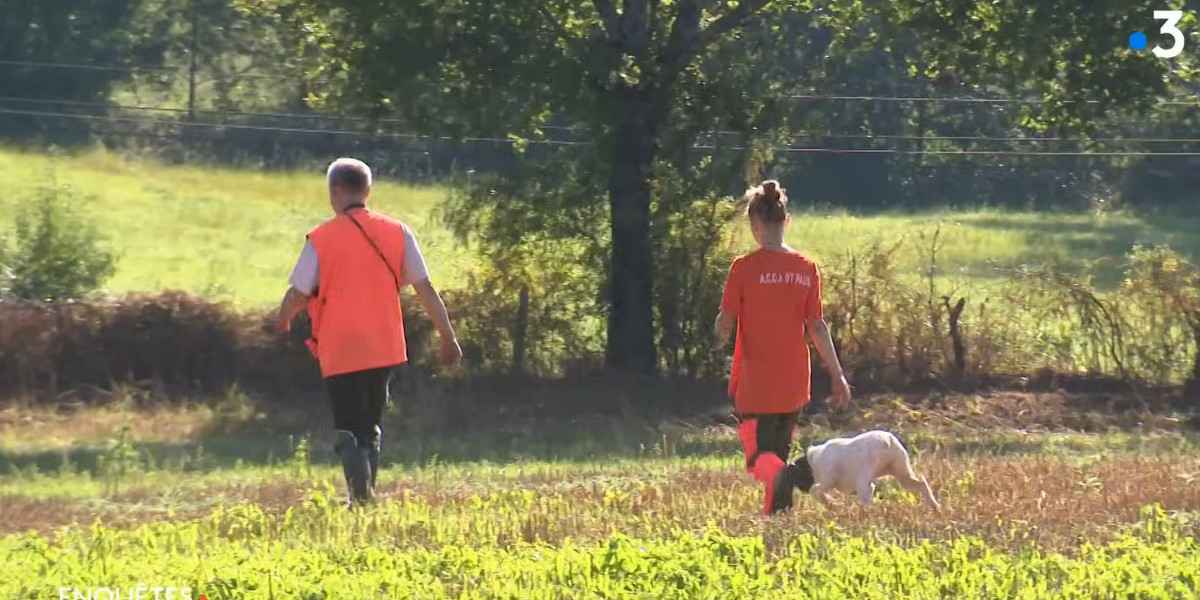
[(414, 263), (306, 273)]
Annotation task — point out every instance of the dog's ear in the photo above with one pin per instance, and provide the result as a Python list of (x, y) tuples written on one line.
[(802, 475)]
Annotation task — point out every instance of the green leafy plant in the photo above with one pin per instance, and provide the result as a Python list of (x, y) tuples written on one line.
[(56, 254), (300, 462), (118, 461)]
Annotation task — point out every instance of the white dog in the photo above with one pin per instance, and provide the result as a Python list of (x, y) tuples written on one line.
[(853, 464)]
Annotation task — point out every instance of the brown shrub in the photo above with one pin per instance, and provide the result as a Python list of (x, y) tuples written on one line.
[(170, 340), (1038, 325), (1036, 320)]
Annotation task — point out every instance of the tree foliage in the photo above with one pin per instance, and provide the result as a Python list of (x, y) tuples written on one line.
[(37, 35), (620, 115), (678, 100), (1072, 60)]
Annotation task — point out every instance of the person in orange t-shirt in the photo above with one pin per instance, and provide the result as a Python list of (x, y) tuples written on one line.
[(773, 295)]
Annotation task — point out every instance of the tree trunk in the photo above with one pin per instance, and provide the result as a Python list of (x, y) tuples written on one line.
[(630, 344), (193, 48), (956, 336), (521, 331), (1191, 391)]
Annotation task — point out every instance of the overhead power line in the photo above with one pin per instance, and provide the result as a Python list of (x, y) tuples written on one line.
[(800, 134), (418, 137), (34, 64), (809, 96), (346, 132), (968, 100), (82, 66), (978, 152), (822, 150), (201, 111), (985, 138), (178, 110)]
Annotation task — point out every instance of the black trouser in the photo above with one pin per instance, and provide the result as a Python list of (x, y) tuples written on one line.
[(358, 400), (772, 433)]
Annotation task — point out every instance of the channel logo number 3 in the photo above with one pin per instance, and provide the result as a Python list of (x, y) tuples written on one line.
[(1171, 28)]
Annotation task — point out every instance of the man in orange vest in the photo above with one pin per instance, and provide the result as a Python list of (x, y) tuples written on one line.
[(349, 276)]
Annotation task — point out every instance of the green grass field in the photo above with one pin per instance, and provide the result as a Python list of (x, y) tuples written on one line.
[(1045, 495), (228, 233), (231, 505), (234, 234)]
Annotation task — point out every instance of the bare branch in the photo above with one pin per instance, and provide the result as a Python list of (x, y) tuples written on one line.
[(608, 14), (731, 20), (655, 18), (687, 38), (633, 7), (635, 26), (684, 31)]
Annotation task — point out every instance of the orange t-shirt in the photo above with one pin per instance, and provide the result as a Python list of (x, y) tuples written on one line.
[(772, 294)]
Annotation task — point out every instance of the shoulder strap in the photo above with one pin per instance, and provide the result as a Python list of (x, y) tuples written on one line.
[(382, 257)]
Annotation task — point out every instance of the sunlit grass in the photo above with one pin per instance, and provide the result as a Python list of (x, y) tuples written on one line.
[(661, 514), (233, 234), (984, 244)]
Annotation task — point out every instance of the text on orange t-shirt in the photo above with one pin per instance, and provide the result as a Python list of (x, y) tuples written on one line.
[(772, 294)]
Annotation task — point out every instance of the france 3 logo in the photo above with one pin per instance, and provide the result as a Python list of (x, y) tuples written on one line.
[(1170, 27)]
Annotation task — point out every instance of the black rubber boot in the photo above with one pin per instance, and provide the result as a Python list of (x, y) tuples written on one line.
[(356, 465), (374, 447), (781, 496)]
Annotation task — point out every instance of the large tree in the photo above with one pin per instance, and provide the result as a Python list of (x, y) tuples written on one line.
[(625, 74), (41, 43), (510, 66)]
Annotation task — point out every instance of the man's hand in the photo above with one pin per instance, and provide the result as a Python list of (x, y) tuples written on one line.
[(431, 301), (293, 302), (451, 353), (841, 393)]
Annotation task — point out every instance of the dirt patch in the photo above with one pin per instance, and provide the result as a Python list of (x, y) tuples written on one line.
[(137, 506), (75, 424), (1020, 411)]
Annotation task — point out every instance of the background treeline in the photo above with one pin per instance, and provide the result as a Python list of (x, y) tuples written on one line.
[(241, 82), (590, 155)]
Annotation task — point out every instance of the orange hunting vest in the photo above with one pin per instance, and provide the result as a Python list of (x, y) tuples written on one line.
[(357, 322)]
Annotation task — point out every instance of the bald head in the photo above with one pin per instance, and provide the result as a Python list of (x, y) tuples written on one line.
[(349, 182)]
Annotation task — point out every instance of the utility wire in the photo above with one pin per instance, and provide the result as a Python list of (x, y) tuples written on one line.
[(417, 137), (802, 134), (815, 97), (34, 64), (346, 132), (969, 100), (82, 66)]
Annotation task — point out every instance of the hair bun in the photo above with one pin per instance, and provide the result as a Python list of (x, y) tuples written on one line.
[(771, 189), (767, 202)]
